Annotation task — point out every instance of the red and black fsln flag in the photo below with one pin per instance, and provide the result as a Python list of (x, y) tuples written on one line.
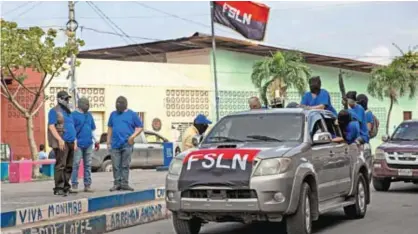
[(217, 167), (245, 17)]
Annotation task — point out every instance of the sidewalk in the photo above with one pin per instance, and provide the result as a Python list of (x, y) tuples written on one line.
[(18, 196)]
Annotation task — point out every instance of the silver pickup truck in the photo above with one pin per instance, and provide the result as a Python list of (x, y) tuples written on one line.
[(148, 152), (267, 165)]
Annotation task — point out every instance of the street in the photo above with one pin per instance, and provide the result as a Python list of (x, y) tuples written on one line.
[(393, 212)]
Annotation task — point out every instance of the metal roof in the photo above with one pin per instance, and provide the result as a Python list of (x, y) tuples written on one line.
[(201, 41)]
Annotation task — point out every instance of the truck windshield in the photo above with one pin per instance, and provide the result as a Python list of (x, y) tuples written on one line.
[(406, 132), (274, 127)]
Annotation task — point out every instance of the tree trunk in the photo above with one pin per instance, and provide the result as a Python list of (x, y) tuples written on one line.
[(32, 144), (388, 118)]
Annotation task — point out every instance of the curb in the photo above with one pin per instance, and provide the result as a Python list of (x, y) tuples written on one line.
[(73, 208), (100, 222)]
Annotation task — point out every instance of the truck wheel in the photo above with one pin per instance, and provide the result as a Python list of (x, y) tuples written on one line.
[(358, 210), (106, 166), (191, 226), (301, 221), (381, 185)]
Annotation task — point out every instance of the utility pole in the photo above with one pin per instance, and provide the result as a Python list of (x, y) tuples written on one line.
[(72, 26)]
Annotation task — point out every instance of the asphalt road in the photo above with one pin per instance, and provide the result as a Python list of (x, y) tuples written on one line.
[(393, 212)]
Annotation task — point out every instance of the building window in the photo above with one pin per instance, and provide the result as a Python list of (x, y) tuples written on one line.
[(407, 115)]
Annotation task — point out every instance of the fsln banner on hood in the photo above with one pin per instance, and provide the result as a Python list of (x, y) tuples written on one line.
[(221, 167), (245, 17)]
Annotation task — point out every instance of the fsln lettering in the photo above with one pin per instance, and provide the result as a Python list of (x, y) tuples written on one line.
[(234, 13), (213, 160)]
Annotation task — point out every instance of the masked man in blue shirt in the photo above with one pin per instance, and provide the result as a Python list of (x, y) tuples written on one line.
[(123, 126), (350, 128), (358, 112), (317, 98), (85, 126), (363, 101), (62, 139)]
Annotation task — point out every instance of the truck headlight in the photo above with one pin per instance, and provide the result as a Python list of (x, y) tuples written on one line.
[(272, 166), (175, 166), (379, 154)]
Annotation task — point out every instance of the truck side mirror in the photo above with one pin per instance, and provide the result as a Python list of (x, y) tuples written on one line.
[(385, 138)]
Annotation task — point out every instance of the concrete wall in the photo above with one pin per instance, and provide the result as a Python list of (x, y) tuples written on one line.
[(149, 88)]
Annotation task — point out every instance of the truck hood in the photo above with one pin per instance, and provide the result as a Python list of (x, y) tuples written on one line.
[(267, 149), (392, 146)]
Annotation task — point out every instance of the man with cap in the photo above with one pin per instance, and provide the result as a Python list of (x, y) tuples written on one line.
[(62, 139), (317, 98), (84, 126), (200, 125), (124, 126), (358, 113)]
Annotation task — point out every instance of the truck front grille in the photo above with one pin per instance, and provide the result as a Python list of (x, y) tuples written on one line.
[(219, 193), (402, 166)]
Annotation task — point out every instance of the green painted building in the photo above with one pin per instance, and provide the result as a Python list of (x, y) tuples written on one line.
[(235, 59)]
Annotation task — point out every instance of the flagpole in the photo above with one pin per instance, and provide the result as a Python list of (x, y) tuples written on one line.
[(215, 77)]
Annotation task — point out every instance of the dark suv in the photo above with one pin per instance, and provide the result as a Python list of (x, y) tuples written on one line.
[(397, 158)]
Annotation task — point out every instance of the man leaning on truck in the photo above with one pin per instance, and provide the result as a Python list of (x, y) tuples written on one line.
[(200, 125)]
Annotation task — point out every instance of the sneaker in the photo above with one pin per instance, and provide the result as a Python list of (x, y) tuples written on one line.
[(60, 193), (127, 188), (88, 189), (74, 187), (114, 188)]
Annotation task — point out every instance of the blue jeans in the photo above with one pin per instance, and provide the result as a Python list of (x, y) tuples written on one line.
[(84, 153), (121, 160)]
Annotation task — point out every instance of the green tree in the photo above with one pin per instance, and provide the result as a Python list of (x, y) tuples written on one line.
[(279, 72), (32, 48), (409, 58), (393, 81)]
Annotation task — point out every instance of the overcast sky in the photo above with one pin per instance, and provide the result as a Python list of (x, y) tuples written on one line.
[(359, 30)]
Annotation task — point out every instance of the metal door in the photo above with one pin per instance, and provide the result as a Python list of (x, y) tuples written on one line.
[(139, 155), (155, 148)]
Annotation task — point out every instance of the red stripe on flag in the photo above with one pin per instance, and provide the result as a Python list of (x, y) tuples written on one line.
[(225, 153), (259, 12)]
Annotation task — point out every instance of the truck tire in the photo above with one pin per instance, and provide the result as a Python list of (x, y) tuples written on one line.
[(301, 221), (381, 185), (358, 210), (191, 226), (106, 166)]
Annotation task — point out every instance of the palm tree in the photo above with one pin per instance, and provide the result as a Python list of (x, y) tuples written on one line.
[(279, 72), (393, 81)]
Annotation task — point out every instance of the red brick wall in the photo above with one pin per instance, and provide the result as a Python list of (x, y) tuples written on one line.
[(13, 124)]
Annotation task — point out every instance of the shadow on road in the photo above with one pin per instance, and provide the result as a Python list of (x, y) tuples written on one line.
[(413, 189), (326, 221)]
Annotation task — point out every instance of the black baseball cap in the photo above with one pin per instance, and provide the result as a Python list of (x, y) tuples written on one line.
[(63, 94)]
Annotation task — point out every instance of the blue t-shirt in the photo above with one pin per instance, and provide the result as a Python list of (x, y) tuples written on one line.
[(322, 98), (123, 126), (69, 130), (352, 132), (358, 113), (369, 117), (84, 126)]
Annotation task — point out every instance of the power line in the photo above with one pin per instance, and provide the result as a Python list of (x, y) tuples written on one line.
[(17, 8), (26, 11)]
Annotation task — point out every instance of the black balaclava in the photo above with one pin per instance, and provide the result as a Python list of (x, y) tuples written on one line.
[(362, 100), (344, 118), (83, 104), (201, 128), (63, 100), (351, 97), (121, 104), (315, 84)]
